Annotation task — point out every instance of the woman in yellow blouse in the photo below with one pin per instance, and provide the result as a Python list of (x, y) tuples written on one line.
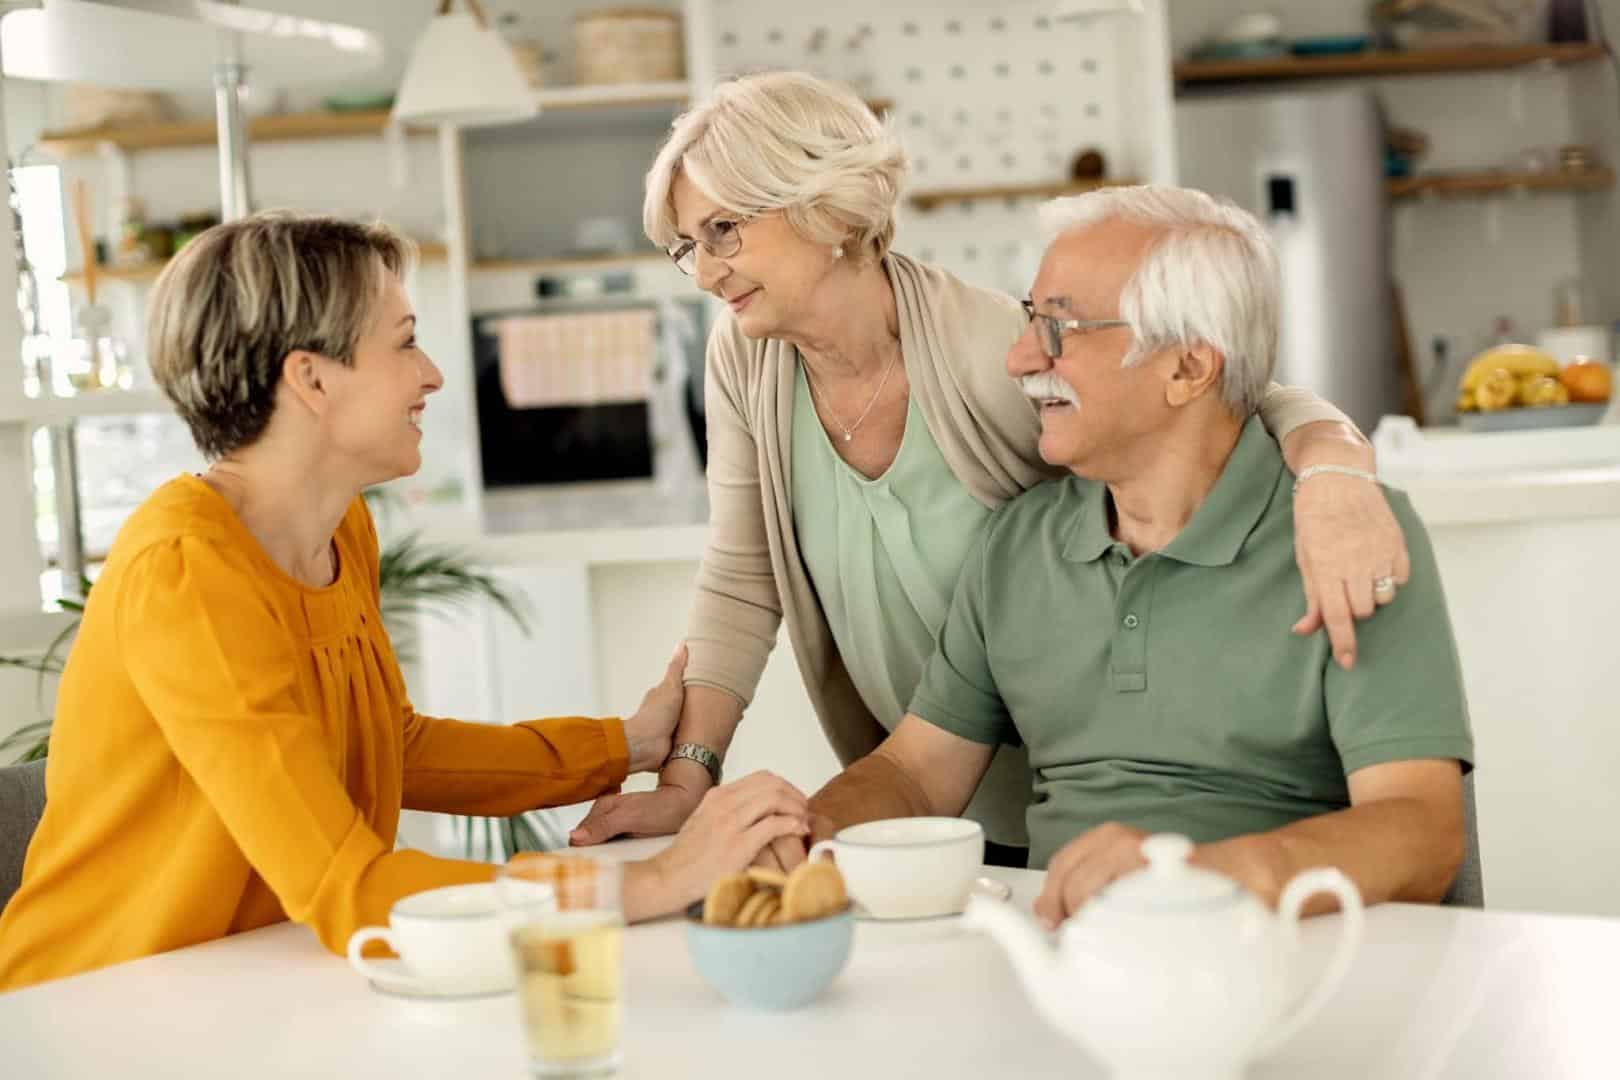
[(233, 743)]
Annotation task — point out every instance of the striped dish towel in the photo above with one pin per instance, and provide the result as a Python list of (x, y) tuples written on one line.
[(589, 358)]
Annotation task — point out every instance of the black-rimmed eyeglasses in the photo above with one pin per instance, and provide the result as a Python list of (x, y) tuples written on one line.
[(1049, 330), (720, 237)]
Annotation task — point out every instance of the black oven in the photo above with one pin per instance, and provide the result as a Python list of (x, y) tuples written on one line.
[(565, 393)]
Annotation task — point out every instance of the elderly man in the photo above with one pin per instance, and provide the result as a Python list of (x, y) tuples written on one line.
[(1152, 335)]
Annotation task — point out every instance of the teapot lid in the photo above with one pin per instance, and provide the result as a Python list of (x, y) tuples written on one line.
[(1168, 884)]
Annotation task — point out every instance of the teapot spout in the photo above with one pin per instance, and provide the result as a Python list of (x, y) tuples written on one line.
[(1032, 957)]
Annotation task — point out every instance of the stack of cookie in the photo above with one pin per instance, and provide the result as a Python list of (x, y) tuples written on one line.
[(761, 897)]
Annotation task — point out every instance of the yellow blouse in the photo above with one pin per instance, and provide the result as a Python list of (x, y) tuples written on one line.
[(233, 748)]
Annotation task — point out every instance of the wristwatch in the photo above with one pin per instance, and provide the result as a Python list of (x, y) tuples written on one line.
[(699, 753)]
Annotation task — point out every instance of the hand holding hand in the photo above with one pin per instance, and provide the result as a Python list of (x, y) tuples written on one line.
[(651, 731), (732, 825)]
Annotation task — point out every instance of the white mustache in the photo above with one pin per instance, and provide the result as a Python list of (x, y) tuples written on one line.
[(1046, 386)]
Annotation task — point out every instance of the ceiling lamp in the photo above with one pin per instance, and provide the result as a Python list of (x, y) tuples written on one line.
[(462, 73)]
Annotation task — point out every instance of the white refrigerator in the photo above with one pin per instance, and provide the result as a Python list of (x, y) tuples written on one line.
[(1310, 165)]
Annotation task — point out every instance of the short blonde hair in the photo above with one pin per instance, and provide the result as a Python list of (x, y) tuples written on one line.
[(787, 141), (227, 311)]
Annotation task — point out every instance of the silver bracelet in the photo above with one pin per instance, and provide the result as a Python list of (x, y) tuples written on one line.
[(1333, 470), (699, 753)]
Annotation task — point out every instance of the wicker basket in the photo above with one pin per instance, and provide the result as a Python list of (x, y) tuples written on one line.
[(628, 45)]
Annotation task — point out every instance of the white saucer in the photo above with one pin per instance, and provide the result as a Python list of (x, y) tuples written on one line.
[(395, 979), (982, 886)]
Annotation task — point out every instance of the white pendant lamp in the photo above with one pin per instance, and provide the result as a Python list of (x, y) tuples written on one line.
[(462, 73)]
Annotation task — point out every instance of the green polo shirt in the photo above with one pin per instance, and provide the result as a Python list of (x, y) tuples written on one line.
[(1166, 692)]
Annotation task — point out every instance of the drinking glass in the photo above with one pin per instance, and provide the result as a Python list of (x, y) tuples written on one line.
[(568, 938)]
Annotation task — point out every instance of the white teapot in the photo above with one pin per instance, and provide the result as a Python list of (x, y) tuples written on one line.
[(1175, 970)]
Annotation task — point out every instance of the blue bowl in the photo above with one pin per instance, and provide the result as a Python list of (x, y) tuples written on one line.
[(770, 967)]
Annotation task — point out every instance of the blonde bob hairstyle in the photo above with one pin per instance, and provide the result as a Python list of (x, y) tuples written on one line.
[(790, 142), (228, 309)]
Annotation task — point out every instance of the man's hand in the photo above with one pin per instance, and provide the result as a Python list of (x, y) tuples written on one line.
[(1084, 866), (790, 851), (1088, 864), (651, 730), (639, 813)]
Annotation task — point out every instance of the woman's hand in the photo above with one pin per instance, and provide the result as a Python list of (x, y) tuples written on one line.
[(651, 730), (638, 813), (1347, 542), (1346, 538), (733, 824)]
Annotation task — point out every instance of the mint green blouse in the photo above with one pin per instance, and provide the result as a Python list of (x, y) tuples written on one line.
[(884, 555)]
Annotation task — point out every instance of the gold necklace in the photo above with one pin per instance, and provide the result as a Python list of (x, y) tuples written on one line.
[(849, 432)]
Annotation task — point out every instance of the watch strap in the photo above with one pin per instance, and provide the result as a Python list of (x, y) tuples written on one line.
[(701, 754)]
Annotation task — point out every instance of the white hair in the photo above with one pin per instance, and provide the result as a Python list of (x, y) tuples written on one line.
[(1211, 278), (787, 141)]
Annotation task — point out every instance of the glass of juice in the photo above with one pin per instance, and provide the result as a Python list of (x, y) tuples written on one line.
[(568, 940)]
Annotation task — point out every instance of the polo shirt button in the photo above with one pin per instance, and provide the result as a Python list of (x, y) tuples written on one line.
[(1132, 622)]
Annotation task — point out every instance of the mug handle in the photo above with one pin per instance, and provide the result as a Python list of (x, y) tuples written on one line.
[(823, 847), (363, 937), (1302, 888)]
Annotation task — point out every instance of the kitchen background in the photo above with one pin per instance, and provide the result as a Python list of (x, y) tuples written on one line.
[(589, 501)]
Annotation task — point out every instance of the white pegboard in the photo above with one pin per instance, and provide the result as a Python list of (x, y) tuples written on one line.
[(983, 95)]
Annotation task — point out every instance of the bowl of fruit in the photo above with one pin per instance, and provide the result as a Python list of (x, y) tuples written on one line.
[(1517, 387)]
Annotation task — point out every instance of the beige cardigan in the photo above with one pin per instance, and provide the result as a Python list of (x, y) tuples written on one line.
[(954, 339)]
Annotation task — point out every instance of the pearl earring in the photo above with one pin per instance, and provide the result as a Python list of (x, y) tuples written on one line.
[(838, 252)]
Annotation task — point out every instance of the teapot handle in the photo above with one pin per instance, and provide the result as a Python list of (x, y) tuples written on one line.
[(1301, 889)]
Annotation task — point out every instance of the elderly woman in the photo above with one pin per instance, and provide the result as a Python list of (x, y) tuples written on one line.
[(233, 742), (862, 428)]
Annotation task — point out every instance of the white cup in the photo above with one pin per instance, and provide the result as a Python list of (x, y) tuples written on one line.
[(457, 933), (908, 868)]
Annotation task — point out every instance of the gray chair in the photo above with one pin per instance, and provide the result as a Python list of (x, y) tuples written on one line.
[(22, 801), (1468, 888)]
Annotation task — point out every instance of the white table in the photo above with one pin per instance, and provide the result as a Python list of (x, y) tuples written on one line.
[(1434, 993)]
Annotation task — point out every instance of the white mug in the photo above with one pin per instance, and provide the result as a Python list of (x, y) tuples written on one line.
[(456, 933), (908, 868)]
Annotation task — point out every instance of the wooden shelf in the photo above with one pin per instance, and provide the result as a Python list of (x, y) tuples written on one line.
[(427, 253), (347, 125), (1492, 183), (626, 261), (1383, 62), (929, 200), (202, 132)]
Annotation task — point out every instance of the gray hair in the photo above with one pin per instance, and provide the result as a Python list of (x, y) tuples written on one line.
[(1210, 279), (787, 141), (240, 297)]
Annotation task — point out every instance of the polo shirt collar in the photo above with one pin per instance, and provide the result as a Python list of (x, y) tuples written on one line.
[(1220, 525), (1089, 537), (1234, 506)]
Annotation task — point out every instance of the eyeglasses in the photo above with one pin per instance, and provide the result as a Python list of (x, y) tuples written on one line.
[(720, 237), (1050, 331)]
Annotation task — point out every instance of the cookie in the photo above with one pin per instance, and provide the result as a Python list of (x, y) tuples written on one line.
[(764, 875), (726, 898), (766, 915), (813, 891), (753, 906)]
